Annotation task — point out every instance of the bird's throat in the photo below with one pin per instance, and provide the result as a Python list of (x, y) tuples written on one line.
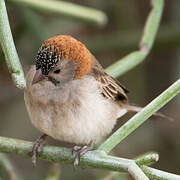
[(54, 81)]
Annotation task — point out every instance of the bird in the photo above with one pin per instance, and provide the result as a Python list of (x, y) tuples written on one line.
[(71, 98)]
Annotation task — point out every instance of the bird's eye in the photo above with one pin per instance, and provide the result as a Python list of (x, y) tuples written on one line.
[(57, 71)]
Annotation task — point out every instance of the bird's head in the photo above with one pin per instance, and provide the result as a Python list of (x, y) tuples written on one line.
[(61, 59)]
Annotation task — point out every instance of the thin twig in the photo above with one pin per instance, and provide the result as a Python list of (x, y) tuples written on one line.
[(54, 172), (67, 9), (9, 49), (96, 159), (168, 37), (133, 59), (136, 172), (158, 174), (140, 117), (4, 161), (145, 159)]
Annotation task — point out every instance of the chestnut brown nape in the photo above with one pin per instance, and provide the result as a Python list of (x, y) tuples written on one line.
[(64, 47)]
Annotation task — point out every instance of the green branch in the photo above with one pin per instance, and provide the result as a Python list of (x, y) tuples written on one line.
[(158, 174), (140, 117), (136, 172), (113, 175), (167, 38), (145, 159), (9, 49), (54, 172), (150, 31), (6, 164), (67, 9), (96, 158)]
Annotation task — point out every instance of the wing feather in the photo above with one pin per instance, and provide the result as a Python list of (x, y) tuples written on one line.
[(110, 87)]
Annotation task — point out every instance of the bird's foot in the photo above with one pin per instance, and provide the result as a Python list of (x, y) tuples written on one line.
[(80, 151), (37, 147)]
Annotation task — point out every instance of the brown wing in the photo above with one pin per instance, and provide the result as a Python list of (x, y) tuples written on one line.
[(110, 87)]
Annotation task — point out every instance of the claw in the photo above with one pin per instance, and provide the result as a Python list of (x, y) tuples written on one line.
[(76, 149), (37, 147), (81, 151)]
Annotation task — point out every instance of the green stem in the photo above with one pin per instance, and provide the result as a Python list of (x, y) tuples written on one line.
[(4, 161), (9, 49), (113, 174), (130, 61), (54, 172), (158, 174), (136, 172), (167, 38), (55, 154), (96, 159), (147, 158), (67, 9), (140, 117)]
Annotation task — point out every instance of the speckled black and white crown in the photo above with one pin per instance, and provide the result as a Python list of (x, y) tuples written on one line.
[(46, 59), (64, 47)]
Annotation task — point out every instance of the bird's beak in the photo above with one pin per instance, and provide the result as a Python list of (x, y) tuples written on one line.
[(38, 76)]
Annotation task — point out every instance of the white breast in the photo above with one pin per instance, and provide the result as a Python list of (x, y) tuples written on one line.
[(76, 113)]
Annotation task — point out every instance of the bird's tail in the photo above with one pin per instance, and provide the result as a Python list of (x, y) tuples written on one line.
[(135, 109)]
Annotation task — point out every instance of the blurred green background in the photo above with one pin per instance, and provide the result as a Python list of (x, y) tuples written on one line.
[(109, 43)]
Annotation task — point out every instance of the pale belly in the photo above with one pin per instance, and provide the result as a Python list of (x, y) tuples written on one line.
[(76, 118)]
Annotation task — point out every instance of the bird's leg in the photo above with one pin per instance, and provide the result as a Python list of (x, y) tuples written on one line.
[(37, 147), (76, 149), (81, 151)]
